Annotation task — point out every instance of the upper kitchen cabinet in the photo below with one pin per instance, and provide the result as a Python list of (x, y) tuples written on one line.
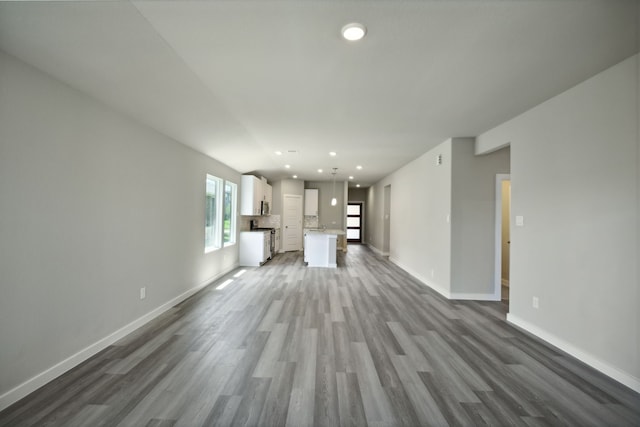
[(268, 193), (252, 195), (311, 202)]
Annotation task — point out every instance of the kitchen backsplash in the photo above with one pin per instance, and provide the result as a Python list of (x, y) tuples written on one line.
[(271, 221), (310, 221)]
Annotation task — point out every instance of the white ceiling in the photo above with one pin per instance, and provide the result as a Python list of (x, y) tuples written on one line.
[(239, 80)]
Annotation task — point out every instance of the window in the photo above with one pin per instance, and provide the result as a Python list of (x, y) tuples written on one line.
[(213, 218), (230, 202)]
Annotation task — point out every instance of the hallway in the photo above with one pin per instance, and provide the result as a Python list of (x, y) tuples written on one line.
[(363, 344)]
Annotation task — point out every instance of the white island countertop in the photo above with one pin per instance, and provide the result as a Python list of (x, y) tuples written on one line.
[(320, 247), (327, 231)]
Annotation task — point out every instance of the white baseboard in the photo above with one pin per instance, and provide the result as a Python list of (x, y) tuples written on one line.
[(476, 297), (620, 376), (377, 251), (10, 397), (444, 292)]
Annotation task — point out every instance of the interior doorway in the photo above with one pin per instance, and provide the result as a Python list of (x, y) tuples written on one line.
[(503, 236), (292, 222), (386, 221)]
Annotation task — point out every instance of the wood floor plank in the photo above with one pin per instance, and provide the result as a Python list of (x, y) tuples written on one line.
[(253, 400), (415, 355), (425, 407), (269, 320), (268, 361), (302, 400), (350, 408), (276, 407), (377, 407), (365, 344), (326, 393)]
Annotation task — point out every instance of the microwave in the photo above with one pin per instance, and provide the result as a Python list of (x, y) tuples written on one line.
[(264, 208)]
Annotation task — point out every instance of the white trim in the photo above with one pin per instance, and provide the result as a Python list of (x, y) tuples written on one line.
[(32, 384), (497, 280), (376, 250), (612, 372), (444, 292), (475, 297)]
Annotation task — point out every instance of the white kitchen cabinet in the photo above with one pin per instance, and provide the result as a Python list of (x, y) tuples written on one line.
[(320, 249), (254, 248), (251, 195), (268, 193), (311, 202)]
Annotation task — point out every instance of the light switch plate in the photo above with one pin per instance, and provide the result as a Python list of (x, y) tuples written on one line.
[(519, 221)]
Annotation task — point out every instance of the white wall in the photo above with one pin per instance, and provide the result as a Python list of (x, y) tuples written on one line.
[(473, 220), (93, 206), (443, 218), (420, 203), (282, 187), (575, 174), (330, 216)]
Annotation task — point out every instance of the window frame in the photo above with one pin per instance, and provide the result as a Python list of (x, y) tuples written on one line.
[(233, 216), (213, 215)]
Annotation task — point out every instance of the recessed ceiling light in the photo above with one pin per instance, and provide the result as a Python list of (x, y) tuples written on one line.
[(295, 176), (278, 153), (350, 177), (332, 153), (358, 167), (287, 166), (319, 170), (354, 31), (358, 185)]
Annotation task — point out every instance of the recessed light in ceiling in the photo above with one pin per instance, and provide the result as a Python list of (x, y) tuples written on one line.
[(287, 166), (333, 153), (278, 153), (319, 170), (358, 185), (295, 176), (354, 31), (350, 177), (358, 167)]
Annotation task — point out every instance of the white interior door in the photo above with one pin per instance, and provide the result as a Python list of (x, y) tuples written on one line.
[(292, 222)]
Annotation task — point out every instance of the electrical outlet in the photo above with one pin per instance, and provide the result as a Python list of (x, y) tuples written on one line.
[(535, 302), (143, 292)]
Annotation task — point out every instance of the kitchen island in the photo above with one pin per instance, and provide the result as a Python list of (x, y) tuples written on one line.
[(320, 247)]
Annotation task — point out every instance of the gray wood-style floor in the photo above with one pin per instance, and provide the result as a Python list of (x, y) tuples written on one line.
[(364, 344)]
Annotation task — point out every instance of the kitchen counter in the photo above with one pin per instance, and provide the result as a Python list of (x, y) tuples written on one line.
[(320, 247), (327, 231), (341, 236)]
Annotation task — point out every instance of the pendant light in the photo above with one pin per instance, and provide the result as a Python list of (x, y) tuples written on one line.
[(334, 201)]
